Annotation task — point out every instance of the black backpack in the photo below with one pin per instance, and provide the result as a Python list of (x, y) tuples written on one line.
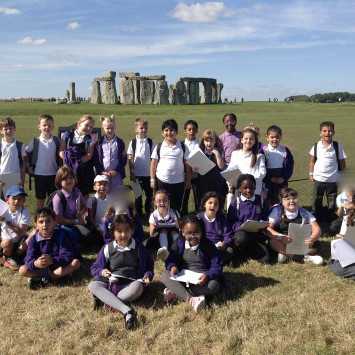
[(134, 145), (62, 198), (336, 148), (33, 156), (19, 148)]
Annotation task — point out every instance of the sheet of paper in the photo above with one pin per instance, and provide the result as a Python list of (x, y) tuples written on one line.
[(253, 226), (9, 180), (349, 236), (231, 176), (299, 233), (342, 251), (137, 189), (3, 207), (188, 276), (199, 160), (126, 278)]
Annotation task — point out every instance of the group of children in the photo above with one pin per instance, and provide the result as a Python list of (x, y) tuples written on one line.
[(201, 243)]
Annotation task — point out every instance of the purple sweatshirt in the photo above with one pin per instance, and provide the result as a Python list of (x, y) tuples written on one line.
[(62, 253)]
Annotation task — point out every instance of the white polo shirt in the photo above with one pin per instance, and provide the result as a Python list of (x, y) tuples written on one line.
[(10, 163), (275, 156), (101, 208), (21, 216), (191, 147), (326, 166), (170, 169), (141, 156), (46, 163)]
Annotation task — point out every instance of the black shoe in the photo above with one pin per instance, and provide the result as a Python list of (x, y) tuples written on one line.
[(36, 282), (97, 303), (130, 321)]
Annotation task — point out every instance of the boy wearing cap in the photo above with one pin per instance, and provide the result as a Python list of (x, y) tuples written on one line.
[(14, 224)]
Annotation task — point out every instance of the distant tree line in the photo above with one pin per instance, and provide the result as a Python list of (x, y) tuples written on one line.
[(324, 98)]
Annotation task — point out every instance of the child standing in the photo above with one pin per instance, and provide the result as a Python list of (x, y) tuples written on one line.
[(279, 164), (212, 146), (191, 144), (165, 222), (327, 159), (50, 253), (110, 156), (77, 149), (193, 251), (132, 266), (168, 166), (12, 157), (139, 152), (43, 159), (14, 225)]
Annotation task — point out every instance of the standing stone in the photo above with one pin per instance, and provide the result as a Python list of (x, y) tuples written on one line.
[(136, 91), (147, 92), (192, 89), (67, 94), (72, 97), (109, 93), (95, 93), (171, 95), (161, 93), (219, 91), (206, 96), (180, 93), (126, 91), (214, 93)]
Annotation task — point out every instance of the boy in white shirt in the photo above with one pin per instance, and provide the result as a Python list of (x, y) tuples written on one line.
[(139, 152), (43, 159), (327, 158), (12, 157)]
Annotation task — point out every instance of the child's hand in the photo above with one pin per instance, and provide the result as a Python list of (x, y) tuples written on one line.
[(106, 273), (48, 260), (203, 279), (113, 173), (195, 170), (221, 246), (286, 239), (311, 179), (230, 186), (30, 170), (174, 270), (146, 280), (2, 218), (133, 177), (277, 180), (309, 242), (153, 185), (2, 183), (187, 185)]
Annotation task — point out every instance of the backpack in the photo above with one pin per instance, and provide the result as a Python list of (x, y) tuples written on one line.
[(61, 196), (182, 147), (336, 148), (19, 148), (302, 211), (265, 151), (134, 145), (239, 199), (70, 136), (33, 156), (156, 220)]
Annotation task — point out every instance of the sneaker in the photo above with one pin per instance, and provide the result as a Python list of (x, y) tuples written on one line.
[(282, 258), (130, 319), (314, 259), (36, 282), (162, 254), (12, 264), (97, 304), (169, 296), (198, 303)]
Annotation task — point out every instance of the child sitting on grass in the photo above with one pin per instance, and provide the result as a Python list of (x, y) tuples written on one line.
[(50, 253)]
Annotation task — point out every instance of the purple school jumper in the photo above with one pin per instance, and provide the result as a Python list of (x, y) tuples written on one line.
[(145, 267), (61, 255), (230, 142), (74, 202)]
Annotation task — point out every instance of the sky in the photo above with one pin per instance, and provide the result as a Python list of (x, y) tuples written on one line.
[(257, 49)]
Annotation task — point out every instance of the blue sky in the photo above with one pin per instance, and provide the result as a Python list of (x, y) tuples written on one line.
[(257, 49)]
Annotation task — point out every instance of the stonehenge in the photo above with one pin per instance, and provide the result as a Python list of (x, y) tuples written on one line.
[(154, 89)]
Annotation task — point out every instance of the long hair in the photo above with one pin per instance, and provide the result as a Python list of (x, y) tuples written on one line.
[(254, 149)]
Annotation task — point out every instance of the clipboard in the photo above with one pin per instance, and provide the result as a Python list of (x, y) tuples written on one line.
[(199, 160), (253, 226), (299, 233), (231, 176), (137, 189)]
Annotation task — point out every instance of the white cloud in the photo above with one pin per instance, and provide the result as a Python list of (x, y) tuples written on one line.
[(207, 12), (9, 11), (14, 66), (73, 25), (34, 42), (257, 7)]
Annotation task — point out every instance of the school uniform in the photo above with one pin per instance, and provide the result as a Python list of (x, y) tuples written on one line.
[(336, 225), (231, 142), (21, 216), (101, 208), (74, 201)]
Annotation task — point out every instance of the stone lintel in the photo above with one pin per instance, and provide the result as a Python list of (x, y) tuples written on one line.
[(156, 77), (128, 74), (109, 74), (211, 80)]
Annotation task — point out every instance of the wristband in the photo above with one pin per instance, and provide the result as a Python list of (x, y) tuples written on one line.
[(76, 221), (310, 173), (152, 180), (217, 155), (5, 221), (27, 163), (279, 237)]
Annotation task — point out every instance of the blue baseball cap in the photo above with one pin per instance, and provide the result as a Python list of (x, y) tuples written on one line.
[(15, 191)]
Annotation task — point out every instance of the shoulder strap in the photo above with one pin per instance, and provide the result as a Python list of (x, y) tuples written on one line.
[(304, 215), (158, 149), (19, 148), (150, 143), (315, 150), (35, 152), (238, 203), (183, 147), (336, 148), (134, 145), (93, 205), (155, 212)]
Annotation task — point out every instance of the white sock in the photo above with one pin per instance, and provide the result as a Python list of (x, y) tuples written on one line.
[(163, 240)]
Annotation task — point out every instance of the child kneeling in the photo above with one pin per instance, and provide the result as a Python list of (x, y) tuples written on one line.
[(50, 253)]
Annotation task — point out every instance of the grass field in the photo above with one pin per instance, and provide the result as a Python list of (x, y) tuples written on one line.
[(272, 309)]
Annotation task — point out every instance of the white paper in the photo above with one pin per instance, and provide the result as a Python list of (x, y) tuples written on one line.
[(231, 176), (342, 251), (3, 207), (115, 276), (299, 233), (253, 226), (9, 180), (349, 236), (188, 276), (199, 160), (137, 189)]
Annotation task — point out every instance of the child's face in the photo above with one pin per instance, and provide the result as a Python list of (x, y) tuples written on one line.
[(101, 187), (247, 189), (229, 124), (248, 141), (109, 128), (46, 127), (123, 234), (45, 225), (327, 133), (169, 134), (190, 132), (68, 183), (85, 127), (161, 201), (212, 206), (209, 143), (192, 233), (290, 203), (142, 131), (273, 139), (15, 202), (8, 131)]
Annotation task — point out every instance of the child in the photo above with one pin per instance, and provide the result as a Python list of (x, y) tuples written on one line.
[(215, 222), (193, 251), (212, 146), (12, 157), (191, 144), (327, 158), (168, 166), (14, 223), (247, 159), (288, 211), (256, 128), (164, 221), (139, 152), (77, 149), (130, 261), (279, 164), (248, 206), (50, 253), (110, 155), (43, 159)]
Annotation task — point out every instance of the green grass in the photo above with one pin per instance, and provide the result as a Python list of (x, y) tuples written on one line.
[(289, 308)]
